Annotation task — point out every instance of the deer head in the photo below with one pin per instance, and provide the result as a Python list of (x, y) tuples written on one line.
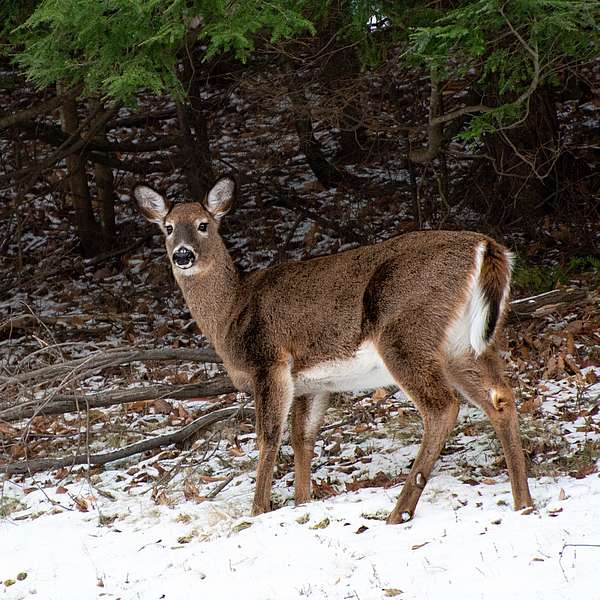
[(191, 229)]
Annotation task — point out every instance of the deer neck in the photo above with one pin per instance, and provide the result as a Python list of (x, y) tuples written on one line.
[(212, 294)]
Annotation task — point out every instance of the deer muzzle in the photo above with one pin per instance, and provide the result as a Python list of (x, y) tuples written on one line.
[(183, 257)]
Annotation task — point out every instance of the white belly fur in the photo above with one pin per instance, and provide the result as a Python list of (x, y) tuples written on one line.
[(362, 372)]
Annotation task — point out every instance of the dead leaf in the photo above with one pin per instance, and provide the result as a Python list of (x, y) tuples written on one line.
[(531, 405), (591, 377), (379, 394), (6, 429), (80, 503), (162, 406), (61, 490), (570, 344), (190, 491), (211, 478), (321, 524), (562, 495), (361, 529), (381, 480), (391, 592)]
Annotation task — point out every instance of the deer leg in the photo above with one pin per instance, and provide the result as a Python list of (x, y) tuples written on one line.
[(421, 377), (438, 421), (273, 392), (483, 384), (306, 419)]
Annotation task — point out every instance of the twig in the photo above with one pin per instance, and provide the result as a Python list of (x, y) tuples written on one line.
[(217, 490), (560, 554), (43, 464)]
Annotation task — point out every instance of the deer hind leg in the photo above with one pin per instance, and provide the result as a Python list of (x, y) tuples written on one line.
[(273, 393), (481, 381), (306, 419), (424, 382)]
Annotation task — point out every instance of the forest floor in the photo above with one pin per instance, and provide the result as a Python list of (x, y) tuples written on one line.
[(174, 523), (150, 527)]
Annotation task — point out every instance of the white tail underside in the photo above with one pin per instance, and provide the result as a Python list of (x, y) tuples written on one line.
[(468, 330)]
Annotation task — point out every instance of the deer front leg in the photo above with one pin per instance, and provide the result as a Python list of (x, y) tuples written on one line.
[(307, 416), (273, 393)]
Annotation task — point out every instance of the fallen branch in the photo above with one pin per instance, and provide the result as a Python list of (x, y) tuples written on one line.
[(58, 404), (97, 361), (177, 437)]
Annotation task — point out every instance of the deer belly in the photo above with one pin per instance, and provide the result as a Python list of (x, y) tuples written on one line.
[(362, 372)]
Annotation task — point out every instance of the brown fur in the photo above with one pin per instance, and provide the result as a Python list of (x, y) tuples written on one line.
[(495, 277), (399, 295)]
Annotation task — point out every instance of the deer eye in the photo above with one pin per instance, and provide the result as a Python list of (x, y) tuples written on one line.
[(203, 227), (169, 229)]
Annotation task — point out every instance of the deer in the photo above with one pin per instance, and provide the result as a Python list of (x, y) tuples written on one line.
[(421, 311)]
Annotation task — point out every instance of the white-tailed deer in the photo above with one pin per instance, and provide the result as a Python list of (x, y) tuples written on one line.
[(420, 311)]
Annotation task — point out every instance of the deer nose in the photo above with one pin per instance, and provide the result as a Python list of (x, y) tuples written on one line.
[(183, 257)]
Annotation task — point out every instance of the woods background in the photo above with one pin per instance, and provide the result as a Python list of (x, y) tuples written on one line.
[(344, 123), (363, 118)]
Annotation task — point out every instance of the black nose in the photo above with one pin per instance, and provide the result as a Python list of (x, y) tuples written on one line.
[(183, 257)]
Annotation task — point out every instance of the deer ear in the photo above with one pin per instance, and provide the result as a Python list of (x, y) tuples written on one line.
[(220, 198), (151, 204)]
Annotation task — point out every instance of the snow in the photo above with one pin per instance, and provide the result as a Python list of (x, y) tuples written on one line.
[(479, 550), (465, 541)]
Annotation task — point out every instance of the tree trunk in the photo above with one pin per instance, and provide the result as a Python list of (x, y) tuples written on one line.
[(105, 187), (191, 166), (328, 175), (85, 222), (193, 125)]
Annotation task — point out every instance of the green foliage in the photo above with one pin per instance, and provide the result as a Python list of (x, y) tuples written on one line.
[(582, 264), (504, 43), (537, 279), (118, 47)]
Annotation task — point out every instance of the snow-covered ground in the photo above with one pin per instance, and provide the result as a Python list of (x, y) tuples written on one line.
[(462, 544), (106, 535)]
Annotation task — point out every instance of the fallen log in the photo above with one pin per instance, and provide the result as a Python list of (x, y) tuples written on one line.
[(543, 304), (176, 437), (57, 404)]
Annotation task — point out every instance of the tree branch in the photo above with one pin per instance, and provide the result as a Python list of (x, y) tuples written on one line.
[(177, 437), (40, 109)]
